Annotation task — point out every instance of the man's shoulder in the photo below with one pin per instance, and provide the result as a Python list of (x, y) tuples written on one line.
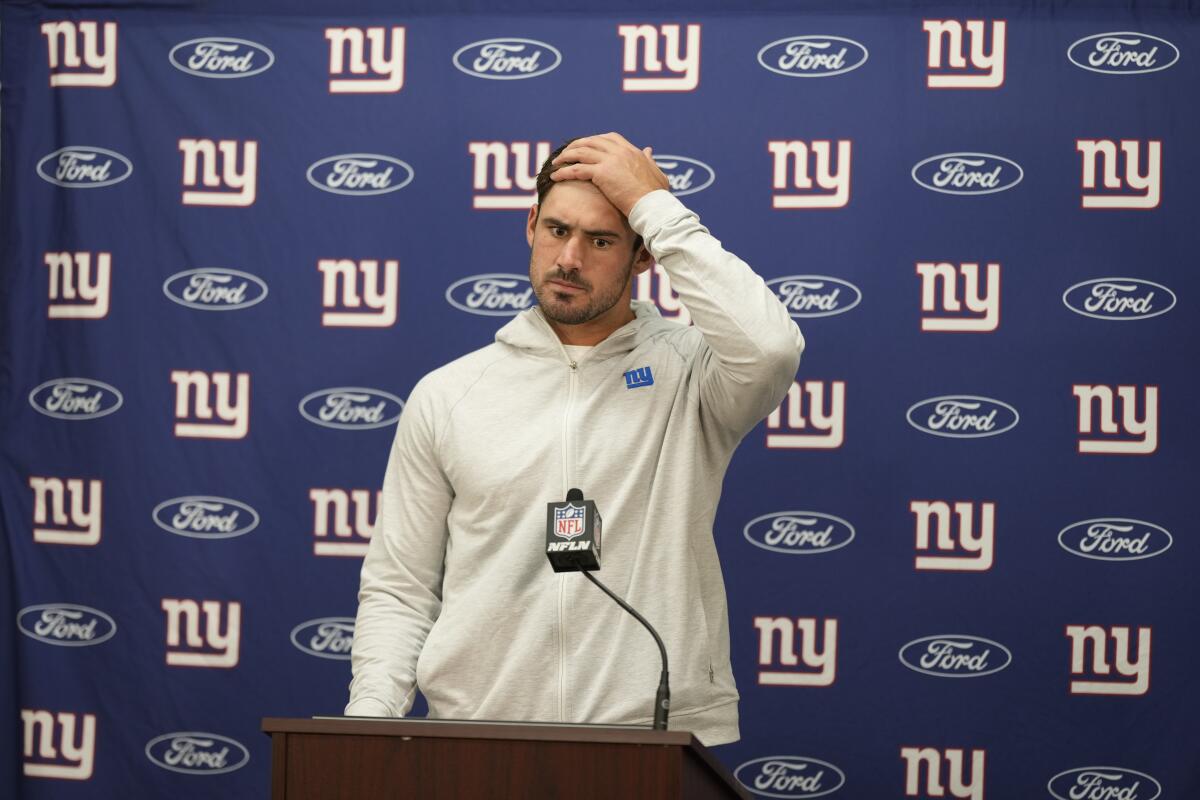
[(450, 381), (685, 340)]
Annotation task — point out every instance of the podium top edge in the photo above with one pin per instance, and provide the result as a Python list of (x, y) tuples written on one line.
[(469, 729)]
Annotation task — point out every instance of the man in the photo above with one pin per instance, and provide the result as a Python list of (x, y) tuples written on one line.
[(457, 597)]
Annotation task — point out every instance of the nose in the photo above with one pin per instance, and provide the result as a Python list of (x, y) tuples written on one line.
[(571, 255)]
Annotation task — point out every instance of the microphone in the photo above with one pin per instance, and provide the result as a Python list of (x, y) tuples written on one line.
[(573, 530)]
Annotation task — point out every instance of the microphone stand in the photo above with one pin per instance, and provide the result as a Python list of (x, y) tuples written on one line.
[(662, 700)]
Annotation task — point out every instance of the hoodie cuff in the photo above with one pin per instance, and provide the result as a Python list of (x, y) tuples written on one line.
[(367, 707), (653, 211)]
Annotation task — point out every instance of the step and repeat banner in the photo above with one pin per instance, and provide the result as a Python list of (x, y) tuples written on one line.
[(960, 555)]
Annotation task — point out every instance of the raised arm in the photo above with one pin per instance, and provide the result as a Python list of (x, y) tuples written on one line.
[(751, 345)]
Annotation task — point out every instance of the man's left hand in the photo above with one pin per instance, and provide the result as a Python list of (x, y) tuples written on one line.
[(621, 171)]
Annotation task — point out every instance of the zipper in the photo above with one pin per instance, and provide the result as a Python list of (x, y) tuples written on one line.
[(562, 579)]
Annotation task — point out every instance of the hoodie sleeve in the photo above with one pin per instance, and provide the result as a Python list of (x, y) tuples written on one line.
[(751, 345), (400, 589)]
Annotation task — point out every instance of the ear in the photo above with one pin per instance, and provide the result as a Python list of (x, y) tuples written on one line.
[(642, 261), (530, 223)]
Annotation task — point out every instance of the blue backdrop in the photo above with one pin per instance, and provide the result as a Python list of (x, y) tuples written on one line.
[(958, 557)]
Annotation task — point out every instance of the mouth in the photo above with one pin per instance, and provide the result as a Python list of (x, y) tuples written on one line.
[(563, 287)]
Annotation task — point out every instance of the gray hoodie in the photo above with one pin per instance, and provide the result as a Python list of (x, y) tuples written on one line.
[(457, 597)]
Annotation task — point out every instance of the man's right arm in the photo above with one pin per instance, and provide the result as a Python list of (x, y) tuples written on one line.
[(400, 591)]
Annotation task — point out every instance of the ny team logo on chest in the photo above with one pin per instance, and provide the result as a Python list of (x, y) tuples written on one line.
[(638, 377)]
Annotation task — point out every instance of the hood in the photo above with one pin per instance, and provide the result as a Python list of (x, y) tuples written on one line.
[(529, 331)]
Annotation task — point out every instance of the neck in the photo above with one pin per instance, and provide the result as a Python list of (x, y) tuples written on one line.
[(594, 331)]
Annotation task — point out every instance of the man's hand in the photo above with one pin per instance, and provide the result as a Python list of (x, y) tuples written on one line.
[(622, 172)]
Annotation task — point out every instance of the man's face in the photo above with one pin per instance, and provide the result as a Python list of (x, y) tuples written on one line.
[(581, 255)]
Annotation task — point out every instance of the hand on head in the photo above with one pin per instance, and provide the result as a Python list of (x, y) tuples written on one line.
[(618, 169)]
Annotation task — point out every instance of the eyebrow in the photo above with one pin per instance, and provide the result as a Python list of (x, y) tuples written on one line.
[(558, 223)]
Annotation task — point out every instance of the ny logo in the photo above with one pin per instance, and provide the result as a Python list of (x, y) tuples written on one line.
[(494, 183), (827, 421), (69, 39), (809, 667), (640, 56), (932, 759), (347, 541), (230, 187), (75, 754), (986, 70), (340, 290), (970, 551), (72, 279), (1132, 436), (52, 525), (213, 649), (982, 314), (387, 59), (833, 188), (1138, 189), (193, 393), (642, 376), (1098, 683), (654, 286)]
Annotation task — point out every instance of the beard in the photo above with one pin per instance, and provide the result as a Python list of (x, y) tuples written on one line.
[(575, 309)]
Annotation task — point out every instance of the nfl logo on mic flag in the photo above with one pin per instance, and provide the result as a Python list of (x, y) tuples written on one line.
[(573, 535)]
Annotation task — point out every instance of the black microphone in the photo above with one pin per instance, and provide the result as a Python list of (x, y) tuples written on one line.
[(573, 530), (573, 545)]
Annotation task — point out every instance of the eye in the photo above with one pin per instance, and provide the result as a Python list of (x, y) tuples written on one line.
[(558, 232), (602, 244)]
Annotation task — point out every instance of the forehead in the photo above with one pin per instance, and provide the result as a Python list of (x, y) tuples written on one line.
[(581, 204)]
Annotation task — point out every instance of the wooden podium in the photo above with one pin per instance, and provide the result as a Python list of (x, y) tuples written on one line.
[(358, 759)]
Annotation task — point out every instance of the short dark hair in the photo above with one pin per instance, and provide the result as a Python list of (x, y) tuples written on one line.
[(545, 183)]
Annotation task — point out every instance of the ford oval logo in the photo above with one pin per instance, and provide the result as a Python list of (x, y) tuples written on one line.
[(197, 753), (810, 296), (1114, 782), (955, 656), (221, 57), (685, 175), (327, 637), (205, 517), (507, 59), (66, 624), (799, 532), (812, 56), (1115, 539), (1119, 299), (1122, 53), (83, 167), (215, 289), (962, 416), (352, 408), (496, 294), (75, 398), (790, 776), (967, 173), (360, 174)]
